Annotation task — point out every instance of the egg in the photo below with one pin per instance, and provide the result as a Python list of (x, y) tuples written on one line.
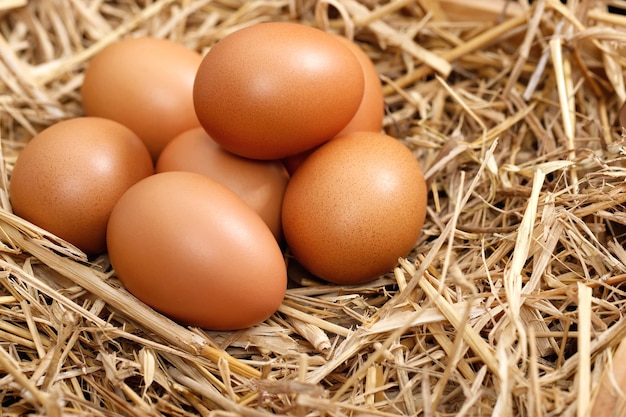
[(146, 84), (354, 206), (68, 178), (190, 248), (369, 116), (261, 184), (276, 89)]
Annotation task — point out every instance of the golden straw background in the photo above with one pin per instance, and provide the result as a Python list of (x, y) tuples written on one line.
[(511, 304)]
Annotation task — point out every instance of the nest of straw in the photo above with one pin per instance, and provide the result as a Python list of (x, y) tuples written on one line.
[(511, 304)]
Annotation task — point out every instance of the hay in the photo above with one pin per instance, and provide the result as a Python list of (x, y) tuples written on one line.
[(511, 304)]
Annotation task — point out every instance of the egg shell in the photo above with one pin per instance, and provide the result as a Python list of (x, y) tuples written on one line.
[(68, 178), (261, 184), (275, 89), (146, 84), (190, 248), (369, 116), (354, 207)]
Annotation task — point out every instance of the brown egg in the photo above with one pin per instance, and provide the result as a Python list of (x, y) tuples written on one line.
[(146, 84), (261, 184), (371, 111), (192, 249), (69, 177), (276, 89), (354, 206)]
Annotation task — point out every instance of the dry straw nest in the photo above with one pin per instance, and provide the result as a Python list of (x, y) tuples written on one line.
[(511, 303)]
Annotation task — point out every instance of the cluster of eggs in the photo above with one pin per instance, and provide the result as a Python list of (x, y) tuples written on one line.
[(195, 173)]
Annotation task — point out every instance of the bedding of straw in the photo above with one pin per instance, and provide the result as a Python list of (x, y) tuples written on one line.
[(511, 304)]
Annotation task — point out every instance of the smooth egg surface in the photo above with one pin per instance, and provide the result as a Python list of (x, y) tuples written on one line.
[(354, 206), (68, 178), (146, 84), (369, 116), (261, 184), (190, 248), (276, 89)]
